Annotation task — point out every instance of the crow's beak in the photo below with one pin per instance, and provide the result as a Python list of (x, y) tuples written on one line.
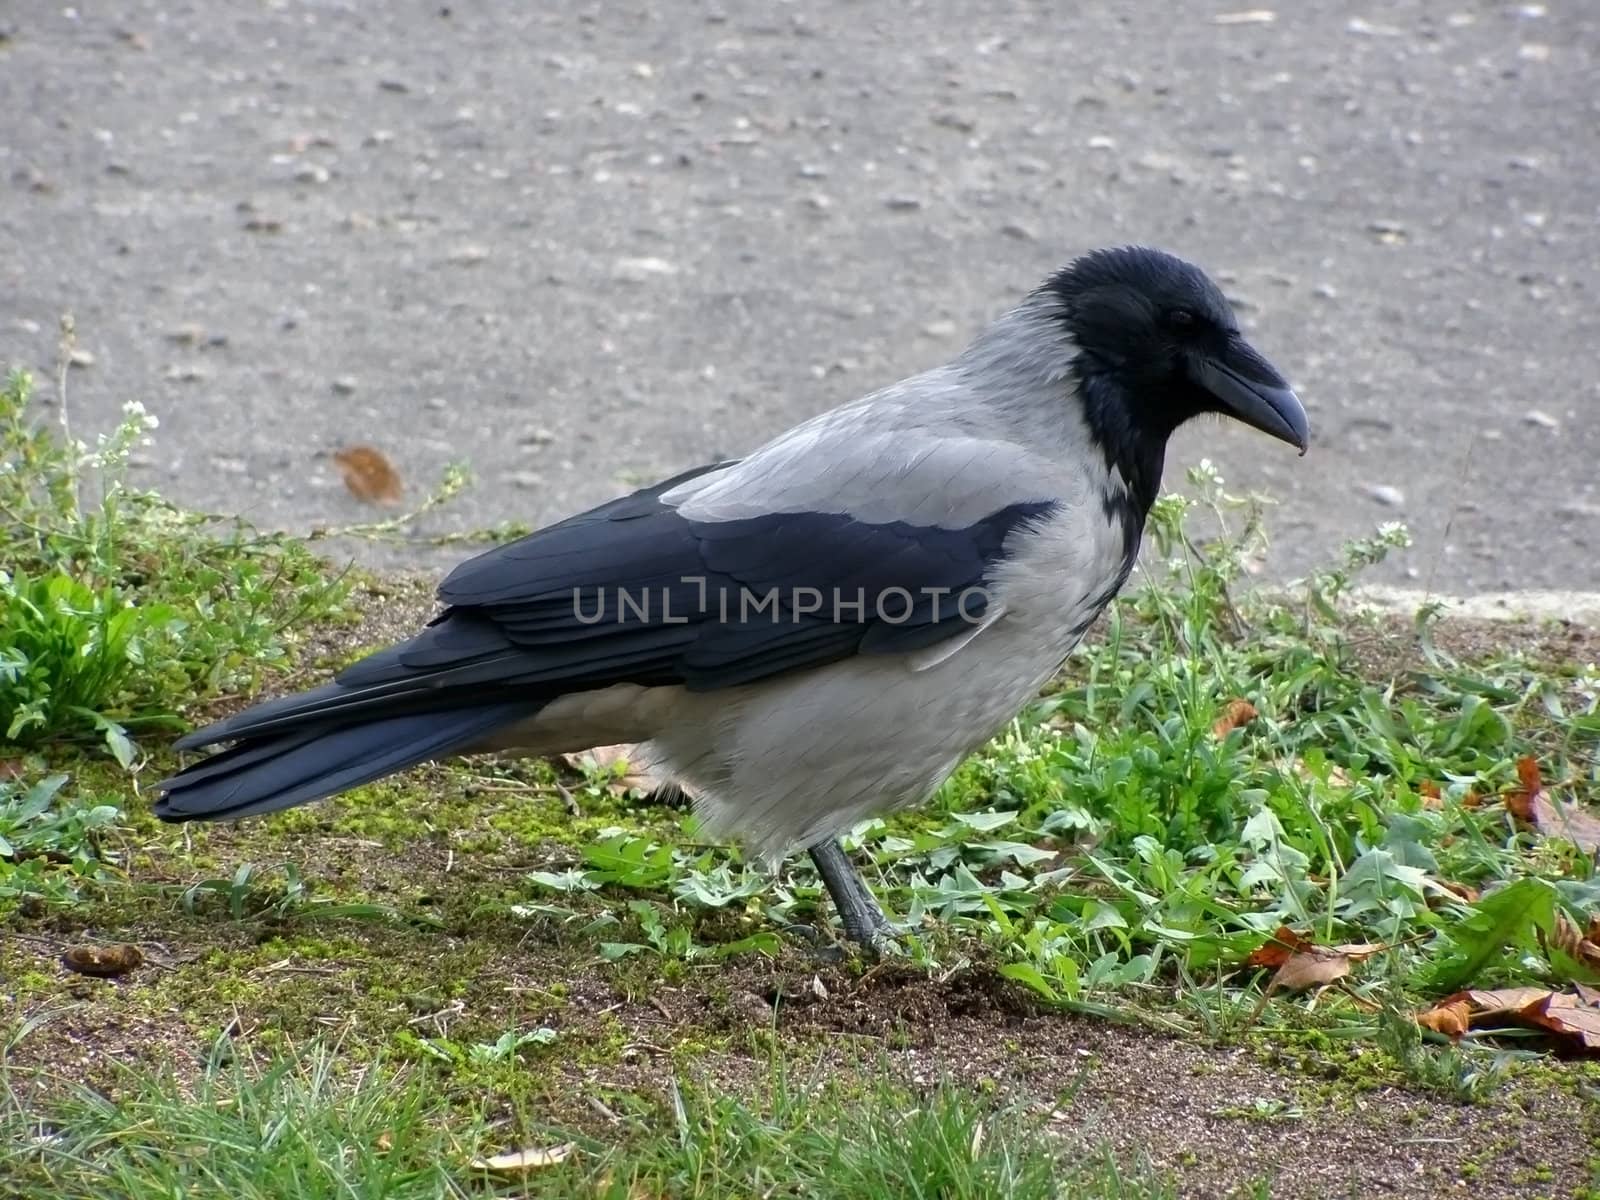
[(1247, 387)]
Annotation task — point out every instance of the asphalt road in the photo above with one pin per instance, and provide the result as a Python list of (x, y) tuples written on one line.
[(583, 246)]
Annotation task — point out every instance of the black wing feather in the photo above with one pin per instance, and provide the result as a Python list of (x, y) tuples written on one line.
[(633, 592)]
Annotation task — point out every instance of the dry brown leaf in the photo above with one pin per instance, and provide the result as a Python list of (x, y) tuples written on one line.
[(1453, 1019), (1466, 891), (369, 475), (1494, 1002), (520, 1162), (1234, 714), (1531, 804), (1433, 797), (102, 961), (1302, 964), (1581, 944), (1571, 1017), (1315, 967), (607, 758), (10, 768), (1276, 950)]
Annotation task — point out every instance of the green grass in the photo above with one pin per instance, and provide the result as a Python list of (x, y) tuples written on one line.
[(316, 1125)]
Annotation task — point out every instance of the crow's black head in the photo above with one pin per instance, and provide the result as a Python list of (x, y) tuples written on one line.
[(1157, 344)]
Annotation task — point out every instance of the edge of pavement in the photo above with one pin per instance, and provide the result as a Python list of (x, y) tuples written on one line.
[(1570, 607)]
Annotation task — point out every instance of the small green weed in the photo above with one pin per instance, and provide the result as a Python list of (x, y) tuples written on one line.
[(49, 841), (114, 603)]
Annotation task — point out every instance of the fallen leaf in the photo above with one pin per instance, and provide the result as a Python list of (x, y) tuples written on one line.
[(1466, 891), (1523, 802), (1532, 805), (1573, 1018), (10, 768), (102, 961), (520, 1162), (1276, 951), (1581, 944), (1302, 964), (1317, 966), (1432, 799), (607, 759), (1453, 1019), (369, 475), (1234, 714)]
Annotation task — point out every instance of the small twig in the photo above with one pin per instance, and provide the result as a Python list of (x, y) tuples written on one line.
[(569, 800), (36, 940), (649, 1046), (289, 968), (65, 346)]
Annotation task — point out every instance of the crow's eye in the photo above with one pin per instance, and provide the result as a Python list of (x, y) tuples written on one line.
[(1181, 319)]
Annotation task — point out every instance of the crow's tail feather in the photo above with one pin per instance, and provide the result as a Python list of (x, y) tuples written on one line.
[(279, 771)]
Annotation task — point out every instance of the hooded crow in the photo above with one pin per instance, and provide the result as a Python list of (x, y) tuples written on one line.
[(825, 628)]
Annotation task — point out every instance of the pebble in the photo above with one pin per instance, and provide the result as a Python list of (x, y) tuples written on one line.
[(1386, 495), (902, 203), (188, 334), (81, 358), (1101, 141), (538, 437), (1542, 419), (344, 385), (187, 373), (312, 173), (527, 480), (469, 256), (940, 329), (1325, 291), (1014, 229), (637, 270), (1364, 28)]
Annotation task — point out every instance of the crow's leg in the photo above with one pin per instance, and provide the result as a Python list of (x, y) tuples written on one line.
[(864, 922)]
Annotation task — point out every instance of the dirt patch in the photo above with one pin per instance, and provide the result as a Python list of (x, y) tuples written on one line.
[(1218, 1117)]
